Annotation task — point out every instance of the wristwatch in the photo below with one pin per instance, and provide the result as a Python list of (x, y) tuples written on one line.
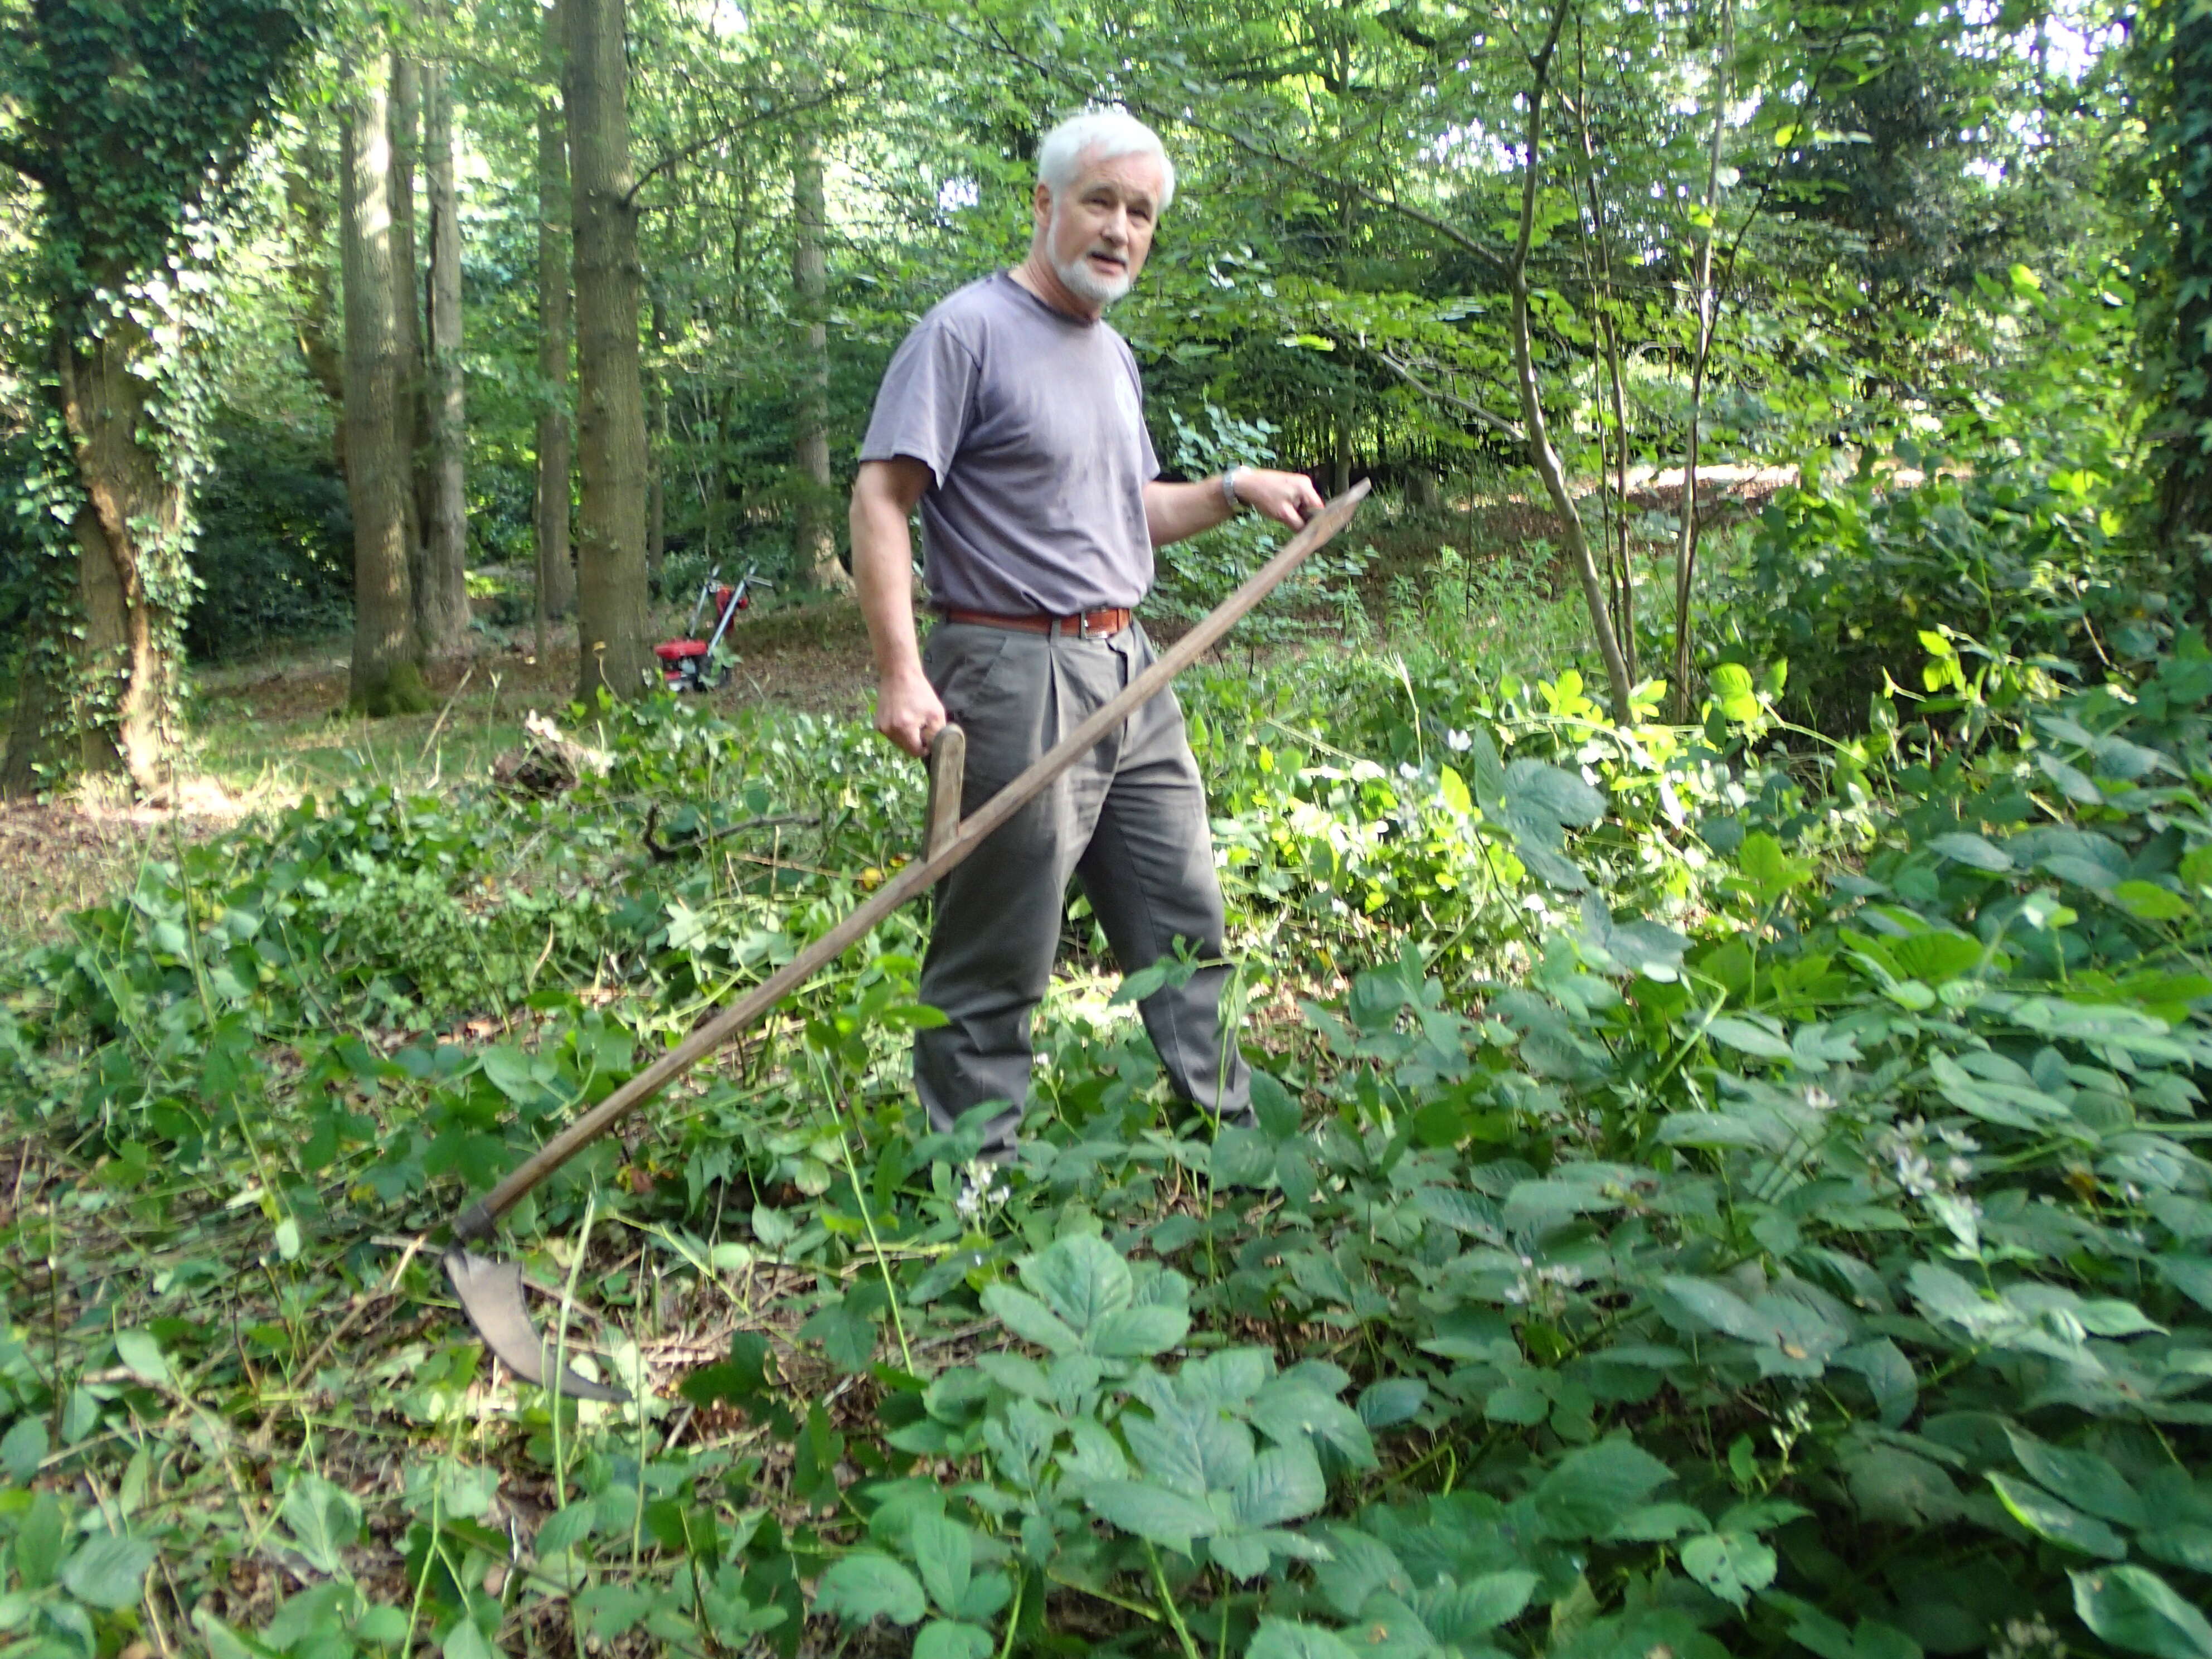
[(1229, 488)]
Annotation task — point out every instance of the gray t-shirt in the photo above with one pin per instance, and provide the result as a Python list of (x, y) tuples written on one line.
[(1032, 425)]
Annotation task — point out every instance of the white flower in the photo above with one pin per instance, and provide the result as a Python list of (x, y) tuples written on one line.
[(980, 1190)]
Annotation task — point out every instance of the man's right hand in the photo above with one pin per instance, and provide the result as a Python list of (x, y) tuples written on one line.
[(909, 713)]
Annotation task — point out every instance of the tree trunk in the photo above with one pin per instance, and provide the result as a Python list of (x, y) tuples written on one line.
[(441, 604), (656, 498), (814, 540), (404, 114), (557, 574), (387, 676), (613, 648), (130, 565)]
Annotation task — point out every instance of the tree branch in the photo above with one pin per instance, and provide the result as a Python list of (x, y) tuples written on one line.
[(1250, 146), (678, 157), (1496, 423)]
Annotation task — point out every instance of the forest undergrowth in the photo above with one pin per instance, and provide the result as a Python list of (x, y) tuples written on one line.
[(1723, 1189)]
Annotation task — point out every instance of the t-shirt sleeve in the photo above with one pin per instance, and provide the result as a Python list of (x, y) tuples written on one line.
[(923, 406)]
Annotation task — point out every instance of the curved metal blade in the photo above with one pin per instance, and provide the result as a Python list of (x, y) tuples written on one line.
[(492, 1295)]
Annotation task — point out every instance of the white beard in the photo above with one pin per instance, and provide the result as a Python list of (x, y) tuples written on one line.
[(1081, 281)]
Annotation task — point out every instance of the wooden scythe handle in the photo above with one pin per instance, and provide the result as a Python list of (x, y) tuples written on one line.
[(476, 1222)]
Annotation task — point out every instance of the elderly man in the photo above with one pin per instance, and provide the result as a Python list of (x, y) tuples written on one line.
[(1013, 416)]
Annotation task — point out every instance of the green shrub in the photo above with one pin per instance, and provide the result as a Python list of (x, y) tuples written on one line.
[(275, 554)]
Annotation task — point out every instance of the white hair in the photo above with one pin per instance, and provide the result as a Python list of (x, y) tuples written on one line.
[(1099, 135)]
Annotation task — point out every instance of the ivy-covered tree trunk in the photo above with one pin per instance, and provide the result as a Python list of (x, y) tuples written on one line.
[(814, 540), (2186, 495), (133, 581), (387, 677), (37, 723), (126, 115), (442, 606), (613, 646)]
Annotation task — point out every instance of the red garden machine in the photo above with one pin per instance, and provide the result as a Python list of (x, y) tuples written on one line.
[(687, 663)]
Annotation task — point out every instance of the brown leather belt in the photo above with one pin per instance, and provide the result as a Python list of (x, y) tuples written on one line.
[(1088, 624)]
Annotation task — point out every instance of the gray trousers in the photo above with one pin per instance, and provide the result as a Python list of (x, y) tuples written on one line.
[(1129, 819)]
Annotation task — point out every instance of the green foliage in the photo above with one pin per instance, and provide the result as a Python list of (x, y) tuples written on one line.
[(1739, 1213), (1196, 575), (274, 556), (2023, 531)]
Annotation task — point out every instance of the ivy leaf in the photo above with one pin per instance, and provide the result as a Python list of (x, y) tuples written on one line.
[(1242, 1158), (866, 1585), (1733, 693), (1767, 870), (1358, 1566), (2133, 1607)]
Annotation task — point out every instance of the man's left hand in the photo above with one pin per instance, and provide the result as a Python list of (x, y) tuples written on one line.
[(1286, 497)]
